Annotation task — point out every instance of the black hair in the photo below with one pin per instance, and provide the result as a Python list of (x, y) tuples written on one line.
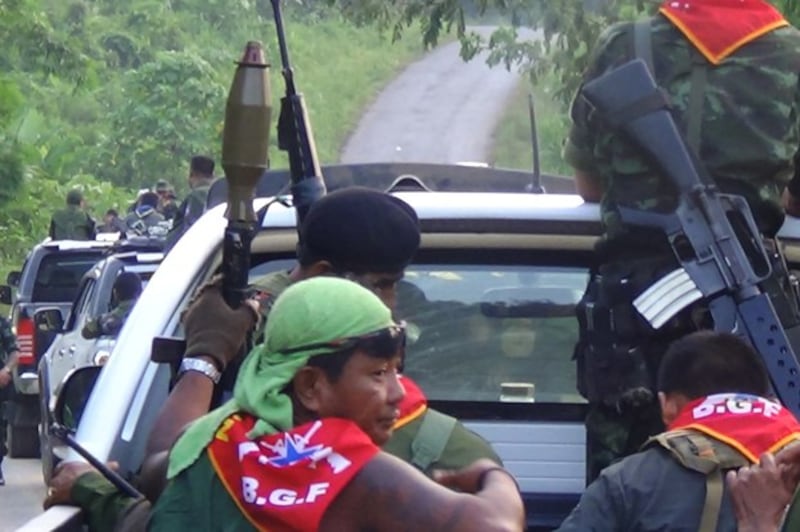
[(127, 286), (150, 199), (112, 212), (74, 197), (707, 363), (202, 165)]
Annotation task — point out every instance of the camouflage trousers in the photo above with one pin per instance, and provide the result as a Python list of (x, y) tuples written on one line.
[(5, 411), (612, 434)]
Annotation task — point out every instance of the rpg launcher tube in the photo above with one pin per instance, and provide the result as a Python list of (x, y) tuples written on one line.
[(245, 145), (245, 140)]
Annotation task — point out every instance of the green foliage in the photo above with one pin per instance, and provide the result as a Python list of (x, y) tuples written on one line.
[(172, 110), (569, 28), (111, 96), (512, 140)]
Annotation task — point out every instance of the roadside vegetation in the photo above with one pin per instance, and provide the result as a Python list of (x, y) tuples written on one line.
[(512, 138), (111, 96)]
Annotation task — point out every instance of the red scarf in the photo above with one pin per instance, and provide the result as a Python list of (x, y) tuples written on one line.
[(413, 405), (718, 28), (286, 481), (752, 425)]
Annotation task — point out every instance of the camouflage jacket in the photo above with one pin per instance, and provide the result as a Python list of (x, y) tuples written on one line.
[(110, 323), (750, 130), (71, 223), (8, 342)]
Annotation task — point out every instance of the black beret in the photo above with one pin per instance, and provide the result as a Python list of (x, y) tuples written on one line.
[(359, 230)]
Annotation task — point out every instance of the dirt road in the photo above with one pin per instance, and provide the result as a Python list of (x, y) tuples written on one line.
[(21, 497), (438, 110)]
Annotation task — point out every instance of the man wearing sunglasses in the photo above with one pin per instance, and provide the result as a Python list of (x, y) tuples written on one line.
[(296, 448)]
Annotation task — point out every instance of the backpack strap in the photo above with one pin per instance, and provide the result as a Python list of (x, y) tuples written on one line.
[(697, 92), (431, 438), (703, 454), (643, 44), (643, 49)]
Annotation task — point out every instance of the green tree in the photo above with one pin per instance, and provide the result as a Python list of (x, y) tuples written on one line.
[(172, 110), (569, 28)]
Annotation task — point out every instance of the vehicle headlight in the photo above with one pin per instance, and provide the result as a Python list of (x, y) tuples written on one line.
[(101, 357)]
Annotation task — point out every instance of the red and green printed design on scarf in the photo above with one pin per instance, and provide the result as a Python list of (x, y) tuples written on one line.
[(750, 424), (286, 481), (413, 405), (718, 28)]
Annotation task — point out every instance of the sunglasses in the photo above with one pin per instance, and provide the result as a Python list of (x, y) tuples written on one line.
[(381, 342)]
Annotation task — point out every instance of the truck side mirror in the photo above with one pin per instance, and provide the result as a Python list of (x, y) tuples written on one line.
[(13, 278), (5, 294), (72, 394), (48, 322)]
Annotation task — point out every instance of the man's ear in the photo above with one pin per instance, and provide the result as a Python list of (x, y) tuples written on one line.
[(671, 406), (308, 386), (321, 267)]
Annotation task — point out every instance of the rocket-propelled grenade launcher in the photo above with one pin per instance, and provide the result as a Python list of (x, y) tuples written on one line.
[(245, 157)]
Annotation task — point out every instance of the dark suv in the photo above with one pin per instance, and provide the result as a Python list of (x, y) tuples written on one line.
[(49, 277)]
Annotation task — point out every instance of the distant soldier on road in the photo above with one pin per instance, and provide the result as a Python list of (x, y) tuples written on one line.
[(72, 222), (9, 353), (201, 175), (166, 200)]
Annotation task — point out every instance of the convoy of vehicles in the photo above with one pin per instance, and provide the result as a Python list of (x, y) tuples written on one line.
[(49, 278), (69, 349)]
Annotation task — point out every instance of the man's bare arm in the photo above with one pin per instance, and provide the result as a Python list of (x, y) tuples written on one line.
[(588, 186), (189, 400), (389, 495)]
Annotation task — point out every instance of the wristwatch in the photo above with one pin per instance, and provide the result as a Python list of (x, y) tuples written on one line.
[(196, 364)]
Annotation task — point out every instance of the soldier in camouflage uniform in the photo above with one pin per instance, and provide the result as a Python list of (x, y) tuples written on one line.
[(731, 72), (72, 222), (126, 291), (9, 353), (201, 175)]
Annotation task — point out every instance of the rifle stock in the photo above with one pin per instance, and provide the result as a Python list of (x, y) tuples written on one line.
[(727, 258)]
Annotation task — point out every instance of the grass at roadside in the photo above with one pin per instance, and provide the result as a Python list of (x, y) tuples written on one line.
[(512, 138), (340, 69)]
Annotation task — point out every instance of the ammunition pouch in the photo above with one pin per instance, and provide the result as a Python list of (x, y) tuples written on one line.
[(617, 353)]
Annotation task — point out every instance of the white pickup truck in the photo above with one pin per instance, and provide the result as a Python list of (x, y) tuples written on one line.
[(484, 258)]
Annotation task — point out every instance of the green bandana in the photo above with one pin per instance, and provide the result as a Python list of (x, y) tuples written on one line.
[(313, 311)]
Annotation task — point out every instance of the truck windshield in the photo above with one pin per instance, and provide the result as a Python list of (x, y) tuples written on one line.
[(59, 275)]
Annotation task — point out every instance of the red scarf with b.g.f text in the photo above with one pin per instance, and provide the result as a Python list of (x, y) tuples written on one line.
[(750, 424), (413, 405), (717, 28), (286, 481)]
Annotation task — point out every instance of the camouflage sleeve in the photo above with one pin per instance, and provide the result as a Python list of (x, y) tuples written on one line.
[(8, 339), (91, 329), (578, 149), (195, 207), (103, 503)]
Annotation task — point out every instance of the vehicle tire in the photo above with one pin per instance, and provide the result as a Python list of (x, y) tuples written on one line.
[(23, 442)]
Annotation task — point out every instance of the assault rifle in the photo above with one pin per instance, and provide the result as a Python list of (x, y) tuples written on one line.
[(295, 135), (714, 236)]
